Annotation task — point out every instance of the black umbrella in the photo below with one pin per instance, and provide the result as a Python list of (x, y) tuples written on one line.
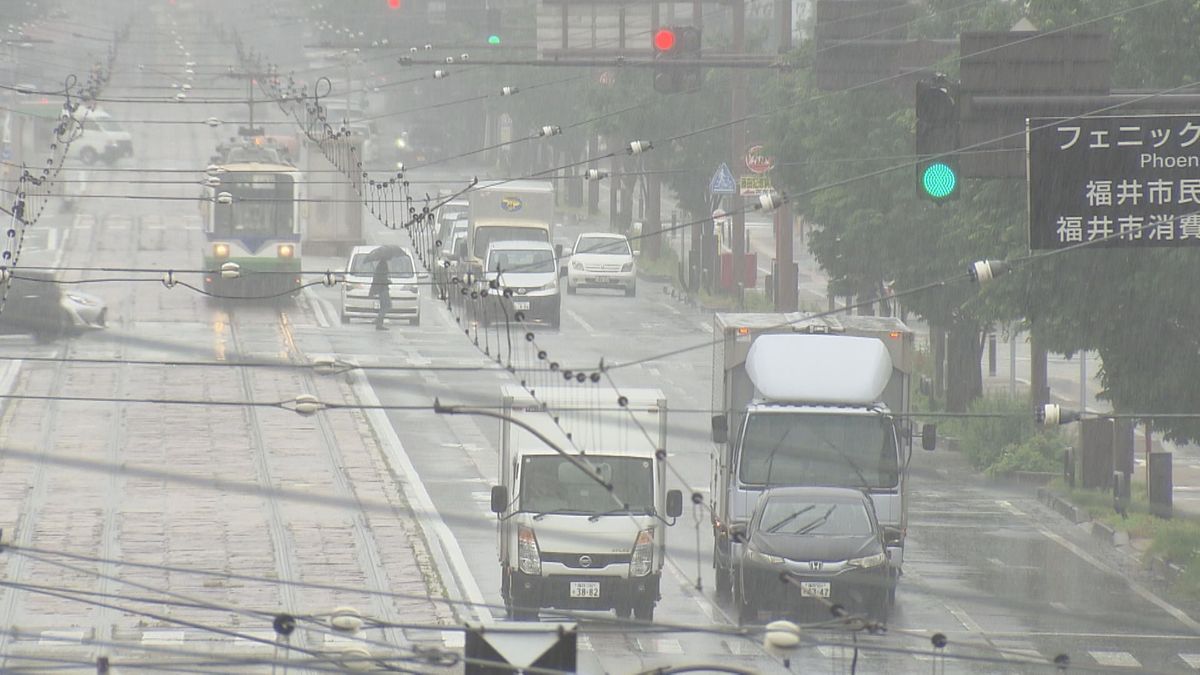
[(385, 252)]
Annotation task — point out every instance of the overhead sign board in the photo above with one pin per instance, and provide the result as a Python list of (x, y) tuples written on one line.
[(722, 182), (1133, 180)]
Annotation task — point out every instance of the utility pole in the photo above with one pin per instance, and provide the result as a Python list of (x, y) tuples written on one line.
[(737, 139)]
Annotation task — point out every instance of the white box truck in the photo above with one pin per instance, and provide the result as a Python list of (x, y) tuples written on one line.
[(566, 541), (517, 210), (810, 402)]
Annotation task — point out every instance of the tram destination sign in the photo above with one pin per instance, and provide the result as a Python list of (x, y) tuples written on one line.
[(1134, 180)]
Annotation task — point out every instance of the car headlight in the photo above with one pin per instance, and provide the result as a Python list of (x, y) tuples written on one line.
[(548, 286), (868, 561), (286, 250), (221, 250), (401, 143), (576, 265), (80, 300), (529, 559), (627, 267), (642, 560), (763, 558)]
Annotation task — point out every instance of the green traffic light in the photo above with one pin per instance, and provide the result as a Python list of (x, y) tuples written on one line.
[(493, 39), (939, 180)]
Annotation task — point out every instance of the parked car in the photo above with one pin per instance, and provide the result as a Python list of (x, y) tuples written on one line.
[(602, 260), (829, 543), (34, 304), (444, 260), (530, 270), (404, 288)]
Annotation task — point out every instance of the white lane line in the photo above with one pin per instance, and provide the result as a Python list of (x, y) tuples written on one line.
[(1145, 593), (580, 321), (448, 554), (163, 637), (963, 618), (707, 608), (705, 327), (1192, 660), (51, 238), (1115, 659), (49, 638)]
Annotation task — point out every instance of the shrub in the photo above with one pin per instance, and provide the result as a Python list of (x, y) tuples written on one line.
[(1041, 452), (984, 439)]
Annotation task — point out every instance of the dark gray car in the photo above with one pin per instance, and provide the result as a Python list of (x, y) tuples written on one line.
[(809, 548)]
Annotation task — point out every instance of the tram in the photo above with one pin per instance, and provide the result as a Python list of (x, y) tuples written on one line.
[(253, 217)]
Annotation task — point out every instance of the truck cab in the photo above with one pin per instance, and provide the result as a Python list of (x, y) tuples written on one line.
[(565, 540)]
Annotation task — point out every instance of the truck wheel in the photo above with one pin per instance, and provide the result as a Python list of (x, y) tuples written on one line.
[(722, 583), (644, 611), (623, 610), (744, 613)]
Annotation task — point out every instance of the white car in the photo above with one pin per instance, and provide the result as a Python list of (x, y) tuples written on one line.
[(100, 137), (602, 260), (404, 288), (529, 269)]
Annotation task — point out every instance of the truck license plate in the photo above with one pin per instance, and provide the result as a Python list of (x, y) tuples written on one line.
[(519, 305), (814, 589), (586, 589)]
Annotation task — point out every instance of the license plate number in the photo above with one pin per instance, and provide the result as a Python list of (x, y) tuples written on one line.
[(602, 280), (517, 304), (814, 589), (585, 589)]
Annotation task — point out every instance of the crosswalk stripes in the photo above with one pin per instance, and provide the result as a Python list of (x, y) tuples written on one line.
[(1115, 659), (660, 645)]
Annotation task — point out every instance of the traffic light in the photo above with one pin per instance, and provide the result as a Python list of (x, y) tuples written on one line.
[(394, 4), (493, 26), (937, 139), (674, 43)]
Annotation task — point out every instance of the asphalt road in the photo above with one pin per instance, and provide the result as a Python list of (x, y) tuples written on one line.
[(1009, 584)]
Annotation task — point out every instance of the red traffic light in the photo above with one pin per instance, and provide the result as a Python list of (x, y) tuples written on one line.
[(394, 4), (664, 39)]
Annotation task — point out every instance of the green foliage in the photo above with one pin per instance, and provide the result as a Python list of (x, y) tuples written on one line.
[(1040, 452), (665, 265), (1177, 540)]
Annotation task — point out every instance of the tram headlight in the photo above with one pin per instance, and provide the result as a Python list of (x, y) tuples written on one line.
[(286, 250), (220, 250)]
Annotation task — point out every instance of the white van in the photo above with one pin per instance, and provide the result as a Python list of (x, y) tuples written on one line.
[(101, 137)]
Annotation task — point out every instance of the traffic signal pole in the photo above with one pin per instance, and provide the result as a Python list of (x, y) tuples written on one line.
[(737, 142)]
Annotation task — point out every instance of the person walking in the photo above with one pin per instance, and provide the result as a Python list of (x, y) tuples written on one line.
[(380, 289)]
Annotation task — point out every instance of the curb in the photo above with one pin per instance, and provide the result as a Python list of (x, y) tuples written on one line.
[(1101, 532)]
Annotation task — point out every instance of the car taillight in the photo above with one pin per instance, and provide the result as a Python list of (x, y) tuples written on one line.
[(529, 559), (642, 560)]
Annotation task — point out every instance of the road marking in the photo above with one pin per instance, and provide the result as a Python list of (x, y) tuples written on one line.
[(447, 553), (454, 639), (1192, 660), (1136, 587), (660, 645), (963, 618), (51, 238), (1115, 659), (55, 637), (709, 610), (317, 307), (580, 321), (163, 637), (584, 642), (705, 327)]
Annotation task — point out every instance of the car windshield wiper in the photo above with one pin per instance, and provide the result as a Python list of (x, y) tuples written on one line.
[(785, 521), (597, 516), (816, 523), (564, 512)]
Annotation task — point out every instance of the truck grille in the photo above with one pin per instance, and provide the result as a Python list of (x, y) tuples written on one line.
[(598, 560)]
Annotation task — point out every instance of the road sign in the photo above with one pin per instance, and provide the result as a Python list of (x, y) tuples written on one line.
[(754, 185), (722, 182), (1134, 179), (758, 161)]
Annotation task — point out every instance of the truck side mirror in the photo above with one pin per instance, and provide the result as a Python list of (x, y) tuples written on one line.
[(674, 503), (720, 429), (928, 436), (737, 532), (499, 499)]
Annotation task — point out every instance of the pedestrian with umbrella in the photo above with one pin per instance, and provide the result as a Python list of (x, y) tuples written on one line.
[(380, 283)]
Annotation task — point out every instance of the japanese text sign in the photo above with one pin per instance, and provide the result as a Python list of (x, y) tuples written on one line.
[(1133, 179)]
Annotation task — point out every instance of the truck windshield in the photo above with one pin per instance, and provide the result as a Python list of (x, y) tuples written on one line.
[(552, 484), (486, 235), (820, 450)]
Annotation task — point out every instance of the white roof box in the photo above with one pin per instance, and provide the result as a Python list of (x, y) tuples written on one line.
[(830, 369)]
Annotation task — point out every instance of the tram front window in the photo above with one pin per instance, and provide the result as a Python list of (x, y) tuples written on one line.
[(262, 207)]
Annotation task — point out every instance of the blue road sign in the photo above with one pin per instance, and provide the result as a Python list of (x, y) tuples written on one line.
[(722, 182)]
